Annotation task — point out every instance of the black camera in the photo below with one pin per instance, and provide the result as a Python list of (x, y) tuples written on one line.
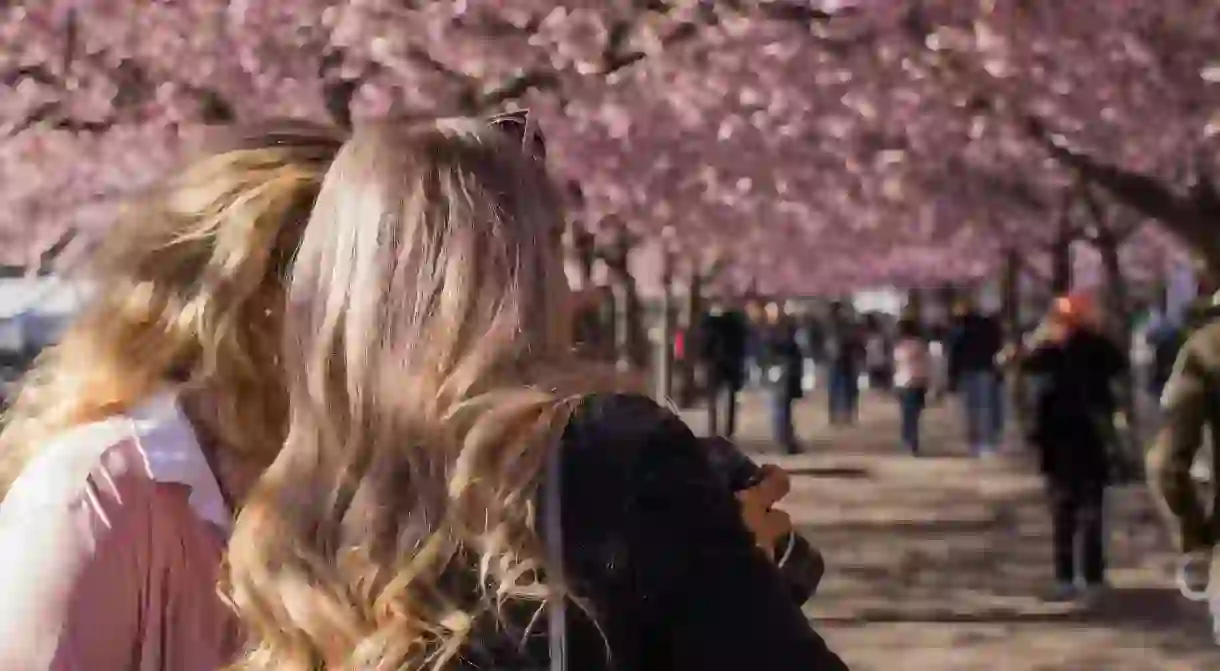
[(800, 564)]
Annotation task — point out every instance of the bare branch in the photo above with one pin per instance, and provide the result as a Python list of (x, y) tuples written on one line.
[(1142, 192)]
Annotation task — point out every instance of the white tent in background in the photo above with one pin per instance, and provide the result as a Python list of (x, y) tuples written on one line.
[(885, 300), (34, 310)]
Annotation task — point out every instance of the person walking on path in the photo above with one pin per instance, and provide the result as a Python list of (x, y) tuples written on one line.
[(975, 342), (1074, 433), (1190, 402), (725, 333), (844, 356), (877, 354), (1165, 339), (784, 366), (912, 375)]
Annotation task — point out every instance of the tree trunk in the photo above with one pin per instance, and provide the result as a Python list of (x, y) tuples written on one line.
[(913, 309), (622, 324), (1010, 294), (630, 350), (1117, 294), (583, 250), (692, 345), (665, 339), (635, 345), (1061, 263), (1010, 311), (1118, 325), (947, 296)]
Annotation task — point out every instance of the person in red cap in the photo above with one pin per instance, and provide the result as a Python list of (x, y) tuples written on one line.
[(1075, 366)]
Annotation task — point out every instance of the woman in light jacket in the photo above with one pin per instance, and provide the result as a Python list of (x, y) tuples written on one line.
[(133, 439)]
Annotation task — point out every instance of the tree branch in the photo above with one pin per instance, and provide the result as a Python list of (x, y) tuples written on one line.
[(48, 255), (50, 114), (38, 73), (1140, 191)]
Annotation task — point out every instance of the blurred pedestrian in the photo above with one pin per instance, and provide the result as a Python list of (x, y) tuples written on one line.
[(784, 365), (912, 377), (724, 338), (844, 358), (1191, 403), (975, 342), (1074, 432)]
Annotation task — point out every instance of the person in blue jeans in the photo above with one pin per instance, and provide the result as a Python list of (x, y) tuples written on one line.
[(974, 346), (912, 373), (783, 365), (844, 357), (980, 400)]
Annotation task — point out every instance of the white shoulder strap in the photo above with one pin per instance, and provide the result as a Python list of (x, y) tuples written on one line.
[(556, 608)]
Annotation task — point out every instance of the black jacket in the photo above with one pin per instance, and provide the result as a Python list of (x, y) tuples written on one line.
[(844, 348), (656, 546), (724, 339), (974, 342), (1075, 403), (782, 354)]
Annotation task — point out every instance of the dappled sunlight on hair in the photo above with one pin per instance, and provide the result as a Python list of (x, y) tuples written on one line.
[(187, 292), (430, 369)]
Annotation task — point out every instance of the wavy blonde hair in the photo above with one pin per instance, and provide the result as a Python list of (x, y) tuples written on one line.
[(431, 368), (187, 290)]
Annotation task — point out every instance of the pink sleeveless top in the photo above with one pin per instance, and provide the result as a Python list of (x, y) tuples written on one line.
[(110, 545)]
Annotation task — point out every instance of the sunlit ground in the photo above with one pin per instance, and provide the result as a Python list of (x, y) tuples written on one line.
[(938, 562)]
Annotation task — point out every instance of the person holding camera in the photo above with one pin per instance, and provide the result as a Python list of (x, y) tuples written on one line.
[(458, 489)]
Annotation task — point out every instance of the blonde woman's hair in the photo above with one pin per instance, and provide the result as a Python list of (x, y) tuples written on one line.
[(428, 350), (186, 290)]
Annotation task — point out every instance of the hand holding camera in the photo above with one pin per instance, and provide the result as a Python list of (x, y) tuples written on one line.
[(758, 488)]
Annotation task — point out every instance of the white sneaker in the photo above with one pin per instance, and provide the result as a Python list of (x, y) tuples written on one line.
[(1201, 472), (1194, 573)]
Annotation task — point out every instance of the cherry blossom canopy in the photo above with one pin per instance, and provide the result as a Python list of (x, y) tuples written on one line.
[(821, 145)]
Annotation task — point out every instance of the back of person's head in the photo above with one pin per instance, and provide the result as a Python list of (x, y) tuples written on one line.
[(963, 307), (428, 349), (187, 289), (1075, 311)]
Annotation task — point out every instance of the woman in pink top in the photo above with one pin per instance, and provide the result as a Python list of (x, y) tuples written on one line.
[(912, 374), (131, 437)]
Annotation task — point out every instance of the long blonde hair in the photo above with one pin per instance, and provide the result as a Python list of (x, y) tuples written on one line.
[(429, 362), (186, 290)]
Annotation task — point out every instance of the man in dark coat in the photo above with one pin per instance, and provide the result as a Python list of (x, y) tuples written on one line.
[(844, 349), (725, 332), (975, 341), (1074, 433)]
